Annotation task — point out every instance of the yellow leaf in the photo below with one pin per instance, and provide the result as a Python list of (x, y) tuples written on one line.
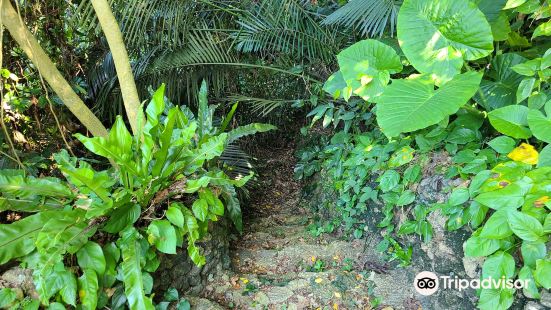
[(541, 201), (335, 306), (525, 153), (313, 259), (244, 280), (338, 295), (319, 280)]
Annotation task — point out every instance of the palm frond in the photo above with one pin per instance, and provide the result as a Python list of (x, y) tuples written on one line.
[(162, 22), (372, 17), (286, 27)]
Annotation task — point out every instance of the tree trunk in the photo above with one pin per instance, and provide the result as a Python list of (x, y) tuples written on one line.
[(18, 30), (122, 63)]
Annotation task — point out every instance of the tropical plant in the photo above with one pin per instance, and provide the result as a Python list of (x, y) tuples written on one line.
[(164, 190), (461, 71), (372, 17)]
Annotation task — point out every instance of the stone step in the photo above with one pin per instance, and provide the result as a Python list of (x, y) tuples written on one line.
[(294, 290), (294, 256)]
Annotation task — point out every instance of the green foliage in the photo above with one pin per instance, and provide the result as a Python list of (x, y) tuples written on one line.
[(468, 71), (114, 220), (372, 17), (438, 37), (514, 190)]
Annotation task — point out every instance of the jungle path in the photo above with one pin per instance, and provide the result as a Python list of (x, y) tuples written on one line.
[(278, 264)]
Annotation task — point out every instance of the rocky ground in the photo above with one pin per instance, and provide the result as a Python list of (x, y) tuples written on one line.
[(277, 264)]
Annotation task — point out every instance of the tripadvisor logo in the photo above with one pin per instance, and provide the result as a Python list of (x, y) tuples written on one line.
[(427, 283)]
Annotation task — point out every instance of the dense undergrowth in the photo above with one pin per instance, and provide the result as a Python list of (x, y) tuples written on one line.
[(469, 79)]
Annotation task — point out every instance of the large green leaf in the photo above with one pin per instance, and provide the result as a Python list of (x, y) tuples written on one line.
[(122, 217), (17, 239), (497, 226), (335, 85), (16, 185), (232, 204), (120, 138), (91, 256), (539, 124), (497, 18), (412, 104), (512, 121), (163, 235), (545, 157), (131, 271), (88, 289), (526, 227), (437, 36), (249, 129), (366, 67), (543, 272), (532, 251), (477, 246), (499, 86)]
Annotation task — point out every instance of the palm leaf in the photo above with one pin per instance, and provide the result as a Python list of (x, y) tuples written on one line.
[(286, 27), (372, 17)]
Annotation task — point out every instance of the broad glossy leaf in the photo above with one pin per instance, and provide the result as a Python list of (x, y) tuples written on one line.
[(154, 109), (200, 209), (437, 36), (543, 29), (412, 104), (498, 88), (121, 218), (525, 274), (211, 148), (249, 129), (511, 196), (131, 271), (163, 235), (335, 85), (498, 265), (502, 144), (492, 299), (120, 138), (232, 204), (69, 291), (16, 185), (18, 239), (525, 88), (498, 19), (389, 180), (90, 256), (526, 227), (477, 246), (532, 251), (512, 121), (175, 216), (545, 157), (497, 226), (7, 297), (542, 274), (88, 289), (540, 125), (366, 67)]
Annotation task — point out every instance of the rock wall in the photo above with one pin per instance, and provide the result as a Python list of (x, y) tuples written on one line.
[(179, 272)]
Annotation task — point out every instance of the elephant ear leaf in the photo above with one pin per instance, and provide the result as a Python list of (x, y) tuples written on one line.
[(366, 67), (438, 36), (412, 104)]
